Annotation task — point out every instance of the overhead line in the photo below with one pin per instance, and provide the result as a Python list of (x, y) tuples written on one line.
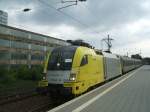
[(52, 7), (65, 14)]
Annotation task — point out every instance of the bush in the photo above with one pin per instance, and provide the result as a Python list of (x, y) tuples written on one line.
[(2, 72), (23, 72), (36, 73), (7, 76)]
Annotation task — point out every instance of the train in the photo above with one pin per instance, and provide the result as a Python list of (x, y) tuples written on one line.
[(74, 69)]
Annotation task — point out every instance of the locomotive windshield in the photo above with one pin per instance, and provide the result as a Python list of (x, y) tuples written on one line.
[(61, 58)]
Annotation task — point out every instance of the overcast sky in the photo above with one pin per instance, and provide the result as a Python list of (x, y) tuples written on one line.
[(127, 21)]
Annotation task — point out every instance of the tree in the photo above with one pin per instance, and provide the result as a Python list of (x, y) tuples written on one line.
[(136, 56)]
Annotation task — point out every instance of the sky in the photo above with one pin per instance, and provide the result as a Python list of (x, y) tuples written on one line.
[(126, 21)]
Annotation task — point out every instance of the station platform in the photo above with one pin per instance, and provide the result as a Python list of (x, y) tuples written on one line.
[(128, 93)]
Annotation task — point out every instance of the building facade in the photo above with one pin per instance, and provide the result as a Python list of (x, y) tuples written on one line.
[(20, 47), (3, 18)]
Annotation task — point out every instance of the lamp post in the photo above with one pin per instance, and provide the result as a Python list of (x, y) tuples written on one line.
[(26, 10)]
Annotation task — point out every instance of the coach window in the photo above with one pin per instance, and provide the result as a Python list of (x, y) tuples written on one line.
[(84, 60)]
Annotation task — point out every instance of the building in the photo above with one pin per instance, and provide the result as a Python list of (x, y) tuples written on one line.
[(20, 47), (3, 17)]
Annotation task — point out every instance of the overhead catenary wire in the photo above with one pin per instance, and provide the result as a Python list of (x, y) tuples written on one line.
[(67, 15), (63, 13), (52, 7), (71, 17), (51, 14)]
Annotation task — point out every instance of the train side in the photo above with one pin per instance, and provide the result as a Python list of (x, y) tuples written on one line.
[(129, 64), (112, 65), (75, 69)]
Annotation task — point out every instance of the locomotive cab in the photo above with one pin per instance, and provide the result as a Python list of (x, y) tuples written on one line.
[(59, 69)]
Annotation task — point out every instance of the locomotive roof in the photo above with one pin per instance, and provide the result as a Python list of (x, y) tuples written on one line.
[(109, 55), (66, 48), (129, 58)]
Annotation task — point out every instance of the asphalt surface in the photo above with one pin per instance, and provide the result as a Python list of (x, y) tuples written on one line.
[(129, 93)]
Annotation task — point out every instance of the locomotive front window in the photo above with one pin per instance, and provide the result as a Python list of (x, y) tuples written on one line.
[(61, 59)]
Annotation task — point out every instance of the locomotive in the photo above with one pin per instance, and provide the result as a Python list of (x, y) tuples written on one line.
[(76, 68)]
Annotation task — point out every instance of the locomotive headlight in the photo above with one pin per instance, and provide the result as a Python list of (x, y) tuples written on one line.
[(44, 76), (72, 76)]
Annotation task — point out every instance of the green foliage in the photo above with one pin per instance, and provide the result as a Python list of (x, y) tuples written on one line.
[(33, 73), (7, 76), (22, 72), (36, 73)]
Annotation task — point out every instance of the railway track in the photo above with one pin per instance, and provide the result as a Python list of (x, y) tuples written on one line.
[(16, 97), (56, 101), (30, 102), (41, 108)]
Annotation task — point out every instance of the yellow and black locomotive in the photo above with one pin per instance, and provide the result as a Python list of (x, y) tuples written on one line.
[(76, 68)]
